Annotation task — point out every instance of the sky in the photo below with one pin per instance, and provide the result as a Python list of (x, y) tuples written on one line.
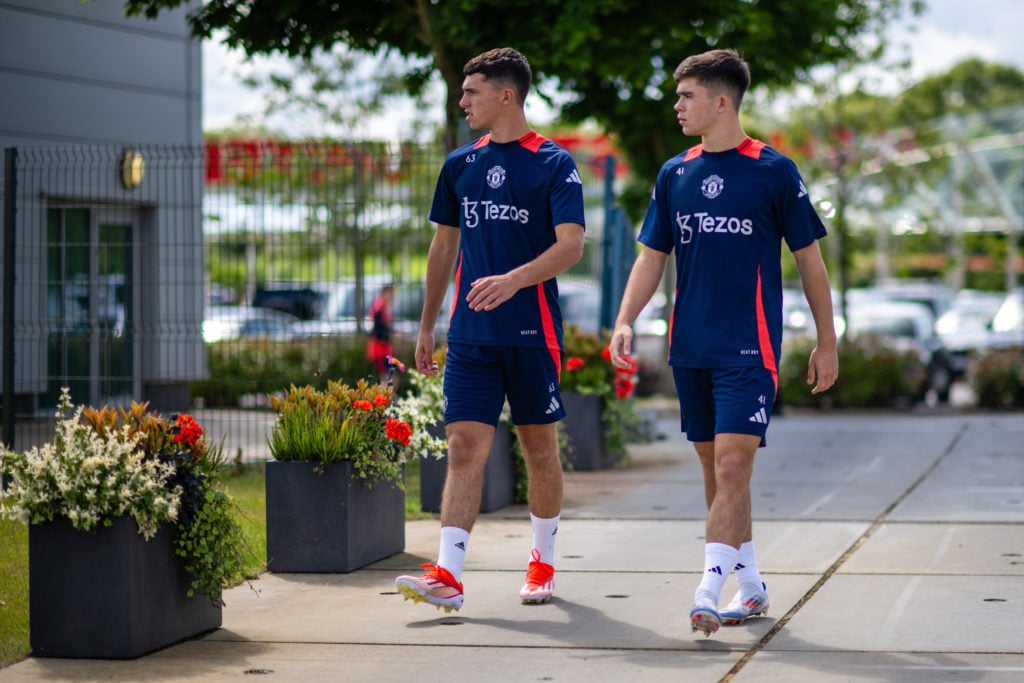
[(946, 33)]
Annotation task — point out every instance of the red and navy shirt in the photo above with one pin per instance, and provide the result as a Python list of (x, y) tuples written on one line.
[(726, 214), (507, 198)]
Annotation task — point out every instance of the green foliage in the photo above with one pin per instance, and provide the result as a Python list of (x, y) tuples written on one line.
[(871, 374), (216, 551), (997, 378), (356, 424), (240, 368), (615, 58)]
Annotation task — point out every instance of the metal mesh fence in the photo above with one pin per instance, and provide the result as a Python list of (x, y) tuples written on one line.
[(203, 279)]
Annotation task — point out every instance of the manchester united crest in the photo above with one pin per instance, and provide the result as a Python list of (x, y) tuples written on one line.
[(712, 186), (495, 176)]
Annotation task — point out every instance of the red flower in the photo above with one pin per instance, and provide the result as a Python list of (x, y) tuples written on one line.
[(188, 430), (606, 353), (380, 400), (574, 363), (623, 387), (397, 430), (363, 405)]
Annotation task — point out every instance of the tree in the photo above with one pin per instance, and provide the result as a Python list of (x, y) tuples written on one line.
[(614, 58), (927, 159)]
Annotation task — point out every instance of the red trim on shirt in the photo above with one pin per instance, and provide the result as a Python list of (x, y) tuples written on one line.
[(750, 148), (693, 152), (764, 338), (548, 325), (484, 139), (455, 298), (532, 141)]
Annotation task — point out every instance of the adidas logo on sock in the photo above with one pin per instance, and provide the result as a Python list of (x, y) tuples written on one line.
[(461, 546), (739, 566), (553, 406), (716, 570), (760, 417)]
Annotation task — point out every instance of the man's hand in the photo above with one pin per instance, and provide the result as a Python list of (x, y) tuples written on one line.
[(620, 347), (487, 293), (425, 352), (822, 368)]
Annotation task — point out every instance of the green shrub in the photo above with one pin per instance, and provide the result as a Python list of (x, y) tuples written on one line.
[(239, 368), (997, 378), (871, 374)]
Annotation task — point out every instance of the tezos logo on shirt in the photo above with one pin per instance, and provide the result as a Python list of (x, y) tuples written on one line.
[(712, 186), (495, 177)]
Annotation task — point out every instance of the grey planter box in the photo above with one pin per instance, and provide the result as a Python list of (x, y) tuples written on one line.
[(326, 522), (109, 593), (499, 475), (585, 430)]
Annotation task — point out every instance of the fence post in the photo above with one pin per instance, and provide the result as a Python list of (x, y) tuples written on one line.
[(607, 241), (10, 209)]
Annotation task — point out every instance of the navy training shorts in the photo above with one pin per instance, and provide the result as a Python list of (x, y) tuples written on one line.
[(714, 401), (478, 379)]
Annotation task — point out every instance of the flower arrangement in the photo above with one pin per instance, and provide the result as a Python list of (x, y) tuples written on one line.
[(106, 463), (358, 423), (588, 370), (423, 408)]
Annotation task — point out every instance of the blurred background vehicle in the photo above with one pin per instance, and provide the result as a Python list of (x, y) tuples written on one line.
[(223, 323), (904, 326), (967, 326), (329, 308)]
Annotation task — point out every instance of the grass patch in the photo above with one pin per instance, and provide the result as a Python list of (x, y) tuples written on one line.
[(13, 592)]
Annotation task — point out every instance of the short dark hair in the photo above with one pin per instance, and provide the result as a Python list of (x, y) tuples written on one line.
[(717, 70), (505, 65)]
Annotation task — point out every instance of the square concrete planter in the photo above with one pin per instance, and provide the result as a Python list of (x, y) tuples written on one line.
[(320, 519), (584, 427), (109, 593), (499, 475)]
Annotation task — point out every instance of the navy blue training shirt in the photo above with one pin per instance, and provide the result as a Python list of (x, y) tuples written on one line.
[(726, 214), (507, 198)]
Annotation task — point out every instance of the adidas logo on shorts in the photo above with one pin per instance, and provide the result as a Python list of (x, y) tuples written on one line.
[(553, 406), (760, 417)]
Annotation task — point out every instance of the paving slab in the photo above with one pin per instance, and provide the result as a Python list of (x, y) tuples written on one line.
[(881, 667), (909, 613), (965, 549)]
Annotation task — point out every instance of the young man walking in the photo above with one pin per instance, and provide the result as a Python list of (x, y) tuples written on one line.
[(509, 215), (724, 207)]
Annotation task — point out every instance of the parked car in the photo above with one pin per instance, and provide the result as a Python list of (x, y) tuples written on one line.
[(967, 326), (222, 323), (336, 309), (906, 326)]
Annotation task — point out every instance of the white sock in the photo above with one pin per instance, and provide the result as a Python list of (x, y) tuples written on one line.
[(746, 570), (544, 531), (718, 558), (453, 550)]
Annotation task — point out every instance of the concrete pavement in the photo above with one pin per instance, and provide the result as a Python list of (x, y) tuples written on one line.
[(892, 545)]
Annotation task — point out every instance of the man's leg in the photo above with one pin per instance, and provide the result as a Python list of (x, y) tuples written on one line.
[(469, 444), (540, 452), (729, 521)]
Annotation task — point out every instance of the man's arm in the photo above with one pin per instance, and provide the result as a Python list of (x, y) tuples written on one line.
[(823, 365), (487, 293), (643, 282), (444, 249)]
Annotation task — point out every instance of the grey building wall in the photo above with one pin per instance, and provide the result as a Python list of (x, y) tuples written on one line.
[(79, 85), (73, 72)]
